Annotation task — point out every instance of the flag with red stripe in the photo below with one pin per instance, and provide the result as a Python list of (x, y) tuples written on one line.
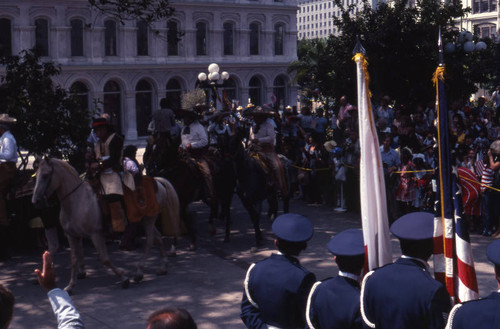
[(372, 186), (457, 265)]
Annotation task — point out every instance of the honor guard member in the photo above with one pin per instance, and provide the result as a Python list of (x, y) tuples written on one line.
[(277, 287), (108, 165), (8, 160), (482, 313), (404, 294), (334, 302)]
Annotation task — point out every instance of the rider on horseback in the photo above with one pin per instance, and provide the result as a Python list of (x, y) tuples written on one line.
[(194, 143), (107, 165), (263, 141)]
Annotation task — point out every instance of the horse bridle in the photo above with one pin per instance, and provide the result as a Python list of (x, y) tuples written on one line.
[(50, 181)]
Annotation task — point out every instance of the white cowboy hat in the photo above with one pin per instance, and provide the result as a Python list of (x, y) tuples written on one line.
[(5, 118), (330, 145)]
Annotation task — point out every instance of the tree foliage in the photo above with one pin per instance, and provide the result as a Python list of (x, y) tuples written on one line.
[(401, 47), (139, 10), (49, 119)]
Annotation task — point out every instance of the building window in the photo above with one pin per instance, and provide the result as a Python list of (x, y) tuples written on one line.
[(142, 38), (484, 6), (42, 36), (201, 39), (228, 90), (143, 106), (228, 38), (255, 91), (80, 94), (485, 30), (254, 38), (279, 90), (5, 37), (172, 38), (112, 104), (174, 93), (76, 37), (110, 38), (279, 36)]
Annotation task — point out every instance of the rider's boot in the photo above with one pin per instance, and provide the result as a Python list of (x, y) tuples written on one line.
[(117, 217)]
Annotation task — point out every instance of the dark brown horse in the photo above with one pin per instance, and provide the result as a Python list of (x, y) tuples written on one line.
[(252, 186)]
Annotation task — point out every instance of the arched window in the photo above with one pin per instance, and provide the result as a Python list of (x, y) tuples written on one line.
[(5, 37), (279, 90), (112, 103), (279, 37), (109, 38), (42, 36), (228, 90), (173, 38), (228, 38), (201, 39), (80, 93), (76, 37), (143, 106), (174, 93), (255, 90), (142, 38), (254, 39)]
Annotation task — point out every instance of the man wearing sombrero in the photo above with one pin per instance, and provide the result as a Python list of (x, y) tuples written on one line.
[(263, 142), (108, 155), (8, 160)]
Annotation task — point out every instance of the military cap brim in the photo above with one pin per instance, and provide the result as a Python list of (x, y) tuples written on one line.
[(493, 252), (414, 226), (293, 228), (347, 243)]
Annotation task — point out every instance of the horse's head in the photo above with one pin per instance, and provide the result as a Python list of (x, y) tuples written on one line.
[(45, 182)]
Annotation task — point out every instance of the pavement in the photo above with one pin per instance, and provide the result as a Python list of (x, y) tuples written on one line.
[(207, 282)]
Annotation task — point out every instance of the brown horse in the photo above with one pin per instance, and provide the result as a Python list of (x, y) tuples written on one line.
[(81, 216)]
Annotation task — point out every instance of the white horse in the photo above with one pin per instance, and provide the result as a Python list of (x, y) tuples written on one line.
[(81, 216)]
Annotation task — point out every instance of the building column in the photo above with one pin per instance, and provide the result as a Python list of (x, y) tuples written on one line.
[(129, 116)]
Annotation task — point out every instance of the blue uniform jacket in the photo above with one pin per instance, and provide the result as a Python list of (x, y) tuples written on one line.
[(478, 314), (404, 295), (335, 304), (280, 287)]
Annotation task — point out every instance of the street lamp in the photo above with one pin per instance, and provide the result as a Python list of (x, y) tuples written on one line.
[(464, 41), (209, 81)]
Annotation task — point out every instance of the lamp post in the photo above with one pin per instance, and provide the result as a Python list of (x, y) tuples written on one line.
[(209, 81), (464, 41)]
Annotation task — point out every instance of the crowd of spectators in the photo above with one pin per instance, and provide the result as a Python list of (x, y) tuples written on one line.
[(324, 147)]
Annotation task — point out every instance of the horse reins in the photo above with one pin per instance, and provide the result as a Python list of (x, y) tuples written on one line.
[(68, 194)]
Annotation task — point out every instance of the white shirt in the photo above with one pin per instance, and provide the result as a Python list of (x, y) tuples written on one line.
[(66, 313), (265, 135), (8, 148), (197, 135)]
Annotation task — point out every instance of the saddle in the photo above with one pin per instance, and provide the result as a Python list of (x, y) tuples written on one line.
[(260, 161), (142, 201)]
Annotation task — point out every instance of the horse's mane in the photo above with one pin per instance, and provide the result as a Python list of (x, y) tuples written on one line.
[(67, 167)]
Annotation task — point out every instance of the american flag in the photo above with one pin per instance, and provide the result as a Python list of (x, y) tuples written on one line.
[(453, 261)]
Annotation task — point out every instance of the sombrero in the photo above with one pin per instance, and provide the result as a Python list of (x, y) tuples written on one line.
[(258, 111), (5, 118)]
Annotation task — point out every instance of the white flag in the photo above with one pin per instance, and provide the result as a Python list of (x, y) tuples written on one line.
[(372, 187)]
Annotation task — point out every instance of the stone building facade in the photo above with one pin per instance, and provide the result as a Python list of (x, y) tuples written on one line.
[(125, 69)]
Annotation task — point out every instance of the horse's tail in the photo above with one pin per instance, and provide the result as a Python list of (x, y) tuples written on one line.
[(171, 204)]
